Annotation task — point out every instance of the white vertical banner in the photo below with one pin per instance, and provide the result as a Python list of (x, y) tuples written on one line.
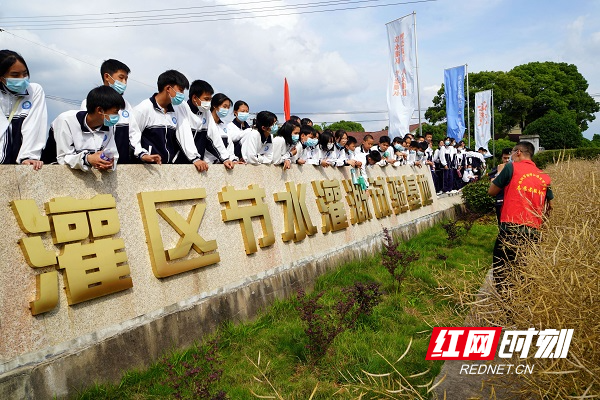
[(401, 93), (483, 119)]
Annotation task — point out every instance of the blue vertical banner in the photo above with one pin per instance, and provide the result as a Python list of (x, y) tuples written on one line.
[(454, 91)]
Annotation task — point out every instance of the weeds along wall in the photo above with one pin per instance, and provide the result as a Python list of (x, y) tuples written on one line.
[(116, 268)]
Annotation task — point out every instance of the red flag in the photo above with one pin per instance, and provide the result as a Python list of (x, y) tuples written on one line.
[(286, 100)]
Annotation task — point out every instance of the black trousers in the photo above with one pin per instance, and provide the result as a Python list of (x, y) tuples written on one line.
[(510, 240)]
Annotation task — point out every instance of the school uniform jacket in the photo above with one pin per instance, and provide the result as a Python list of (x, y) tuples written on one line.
[(26, 135), (281, 150), (257, 149), (448, 157), (310, 154), (169, 133), (206, 134), (237, 130), (127, 134), (75, 140)]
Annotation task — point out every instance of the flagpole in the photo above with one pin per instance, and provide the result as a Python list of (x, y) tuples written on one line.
[(417, 68), (493, 131), (468, 107)]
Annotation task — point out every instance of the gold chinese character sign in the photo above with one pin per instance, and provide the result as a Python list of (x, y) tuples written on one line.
[(167, 262), (231, 197), (297, 220), (92, 269), (329, 202)]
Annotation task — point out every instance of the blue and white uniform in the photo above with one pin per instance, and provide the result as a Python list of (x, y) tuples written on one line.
[(206, 134), (75, 140), (257, 148), (166, 132), (24, 137), (127, 134)]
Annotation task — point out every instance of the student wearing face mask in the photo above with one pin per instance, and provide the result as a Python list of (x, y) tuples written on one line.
[(220, 106), (127, 133), (468, 176), (206, 133), (339, 149), (326, 148), (257, 148), (308, 153), (86, 139), (438, 168), (24, 118), (397, 148), (237, 129), (284, 144), (165, 123)]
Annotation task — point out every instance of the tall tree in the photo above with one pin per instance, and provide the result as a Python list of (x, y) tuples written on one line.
[(348, 126)]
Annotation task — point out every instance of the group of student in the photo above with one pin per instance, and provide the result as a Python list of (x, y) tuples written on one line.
[(165, 128)]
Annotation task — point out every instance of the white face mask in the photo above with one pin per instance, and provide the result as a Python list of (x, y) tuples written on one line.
[(205, 105), (329, 146)]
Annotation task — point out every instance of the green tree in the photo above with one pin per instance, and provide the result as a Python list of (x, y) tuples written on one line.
[(525, 94), (348, 126), (557, 131)]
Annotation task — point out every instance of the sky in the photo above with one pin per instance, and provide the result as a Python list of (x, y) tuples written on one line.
[(336, 63)]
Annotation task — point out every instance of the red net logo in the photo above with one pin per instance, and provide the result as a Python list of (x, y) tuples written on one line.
[(463, 343)]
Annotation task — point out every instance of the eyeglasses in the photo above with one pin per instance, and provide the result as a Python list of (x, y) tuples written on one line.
[(514, 151)]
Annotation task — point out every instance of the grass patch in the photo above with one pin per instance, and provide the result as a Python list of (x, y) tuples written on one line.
[(272, 350)]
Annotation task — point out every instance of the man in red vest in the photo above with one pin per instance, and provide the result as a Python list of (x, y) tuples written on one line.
[(527, 196)]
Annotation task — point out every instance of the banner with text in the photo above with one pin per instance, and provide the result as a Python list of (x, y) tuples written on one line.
[(401, 91), (483, 119), (454, 91)]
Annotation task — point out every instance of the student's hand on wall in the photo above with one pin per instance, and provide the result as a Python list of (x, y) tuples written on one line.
[(228, 164), (201, 166), (37, 164), (152, 159)]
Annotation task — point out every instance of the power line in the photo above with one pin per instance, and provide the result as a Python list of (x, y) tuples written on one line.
[(179, 21), (162, 16)]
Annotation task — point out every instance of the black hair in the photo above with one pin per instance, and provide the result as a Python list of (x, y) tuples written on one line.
[(339, 134), (104, 97), (506, 151), (111, 66), (407, 137), (414, 143), (285, 131), (374, 155), (219, 99), (324, 139), (526, 147), (296, 119), (199, 87), (307, 130), (240, 103), (397, 139), (8, 58), (351, 139), (367, 137), (264, 119), (423, 146), (384, 139), (306, 121), (172, 78)]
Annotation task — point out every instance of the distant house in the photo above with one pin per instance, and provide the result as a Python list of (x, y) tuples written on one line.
[(414, 130)]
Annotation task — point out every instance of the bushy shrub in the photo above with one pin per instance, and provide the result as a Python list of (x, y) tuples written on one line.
[(476, 197), (543, 158)]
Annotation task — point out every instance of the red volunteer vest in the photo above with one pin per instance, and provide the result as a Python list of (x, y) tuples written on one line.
[(525, 195)]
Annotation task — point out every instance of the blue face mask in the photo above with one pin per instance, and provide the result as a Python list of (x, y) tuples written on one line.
[(112, 119), (274, 128), (447, 143), (222, 113), (243, 116), (178, 99), (295, 138), (118, 86), (17, 85), (311, 142), (420, 153), (398, 147), (339, 146)]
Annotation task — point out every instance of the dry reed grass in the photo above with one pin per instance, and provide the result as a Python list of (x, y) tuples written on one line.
[(557, 286)]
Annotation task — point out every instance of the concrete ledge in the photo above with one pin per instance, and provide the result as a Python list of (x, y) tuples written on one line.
[(104, 355)]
